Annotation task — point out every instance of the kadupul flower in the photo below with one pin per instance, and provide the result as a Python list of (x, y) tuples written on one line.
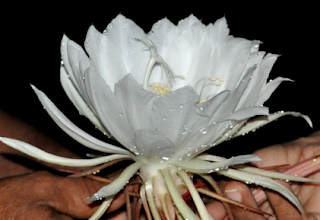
[(166, 97)]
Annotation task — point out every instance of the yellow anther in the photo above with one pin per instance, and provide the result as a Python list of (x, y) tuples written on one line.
[(222, 79), (213, 79), (182, 77), (203, 100), (218, 83), (159, 88)]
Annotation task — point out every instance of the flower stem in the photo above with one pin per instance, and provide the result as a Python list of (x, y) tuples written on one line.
[(202, 210), (150, 197), (181, 205)]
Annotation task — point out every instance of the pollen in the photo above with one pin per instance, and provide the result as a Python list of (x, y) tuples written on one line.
[(159, 88), (203, 100)]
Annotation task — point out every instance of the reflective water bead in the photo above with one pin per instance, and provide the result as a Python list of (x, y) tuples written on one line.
[(203, 130)]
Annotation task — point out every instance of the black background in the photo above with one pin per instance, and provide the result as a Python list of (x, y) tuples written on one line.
[(31, 54)]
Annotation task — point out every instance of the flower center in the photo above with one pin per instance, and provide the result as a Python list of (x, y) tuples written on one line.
[(156, 59)]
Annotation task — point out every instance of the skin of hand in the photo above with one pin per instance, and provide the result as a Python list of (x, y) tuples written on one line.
[(281, 209), (27, 193)]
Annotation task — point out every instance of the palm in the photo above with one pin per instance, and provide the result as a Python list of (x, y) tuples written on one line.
[(292, 153)]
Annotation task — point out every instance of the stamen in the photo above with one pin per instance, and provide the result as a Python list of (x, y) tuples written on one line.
[(204, 83)]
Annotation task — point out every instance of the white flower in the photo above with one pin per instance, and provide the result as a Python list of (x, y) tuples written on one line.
[(166, 96)]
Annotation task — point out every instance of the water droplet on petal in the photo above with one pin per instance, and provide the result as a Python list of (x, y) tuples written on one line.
[(120, 114), (181, 106), (109, 26), (125, 25), (203, 130), (164, 118)]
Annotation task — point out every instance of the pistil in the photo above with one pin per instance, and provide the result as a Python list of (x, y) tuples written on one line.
[(156, 59)]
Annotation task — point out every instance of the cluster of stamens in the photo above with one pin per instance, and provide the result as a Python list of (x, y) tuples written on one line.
[(159, 88)]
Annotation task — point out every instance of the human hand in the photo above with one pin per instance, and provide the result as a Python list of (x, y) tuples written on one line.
[(281, 209), (42, 195)]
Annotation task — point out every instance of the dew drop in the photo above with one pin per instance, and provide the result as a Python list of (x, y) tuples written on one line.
[(181, 106), (184, 32), (109, 26), (164, 118), (125, 25), (170, 109), (105, 32), (120, 114), (203, 130)]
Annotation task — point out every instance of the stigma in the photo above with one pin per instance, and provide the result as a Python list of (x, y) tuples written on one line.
[(156, 59)]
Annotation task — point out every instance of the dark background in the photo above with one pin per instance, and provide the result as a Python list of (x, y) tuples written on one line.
[(31, 54)]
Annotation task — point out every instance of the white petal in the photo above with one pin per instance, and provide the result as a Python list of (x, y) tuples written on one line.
[(269, 89), (200, 166), (228, 61), (152, 144), (105, 56), (117, 185), (73, 131), (108, 108), (230, 104), (174, 112), (218, 32), (160, 31), (264, 182), (78, 101), (51, 158), (209, 107), (136, 102), (263, 120), (113, 53), (246, 113)]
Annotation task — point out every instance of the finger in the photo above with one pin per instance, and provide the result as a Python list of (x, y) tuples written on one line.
[(69, 195), (216, 210), (282, 208), (240, 192)]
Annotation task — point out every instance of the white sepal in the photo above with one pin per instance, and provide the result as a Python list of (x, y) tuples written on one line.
[(264, 182), (51, 158), (256, 123)]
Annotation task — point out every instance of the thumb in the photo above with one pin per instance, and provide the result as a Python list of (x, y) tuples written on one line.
[(69, 195), (240, 192)]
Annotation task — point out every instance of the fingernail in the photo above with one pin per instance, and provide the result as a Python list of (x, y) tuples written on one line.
[(233, 194)]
